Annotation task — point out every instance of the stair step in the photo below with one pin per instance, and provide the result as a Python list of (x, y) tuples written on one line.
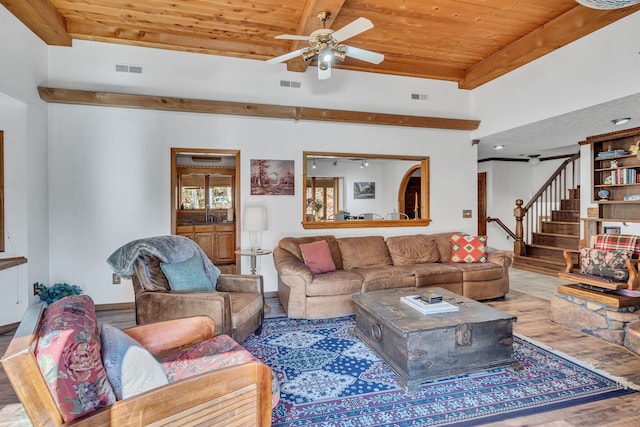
[(574, 193), (537, 265), (570, 204), (555, 240), (566, 215), (561, 227)]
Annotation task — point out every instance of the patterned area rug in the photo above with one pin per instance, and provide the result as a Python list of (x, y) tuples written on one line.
[(331, 378)]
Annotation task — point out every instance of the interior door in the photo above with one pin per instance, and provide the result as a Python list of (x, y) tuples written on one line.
[(482, 203)]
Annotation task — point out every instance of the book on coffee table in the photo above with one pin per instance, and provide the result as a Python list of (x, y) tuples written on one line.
[(424, 307)]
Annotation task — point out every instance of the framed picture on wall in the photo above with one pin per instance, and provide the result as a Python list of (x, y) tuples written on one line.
[(272, 177), (364, 190), (611, 230)]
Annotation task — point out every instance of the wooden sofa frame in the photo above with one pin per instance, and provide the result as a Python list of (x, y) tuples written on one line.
[(237, 395), (633, 283)]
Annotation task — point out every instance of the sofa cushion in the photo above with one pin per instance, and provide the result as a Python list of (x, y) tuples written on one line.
[(337, 282), (434, 274), (215, 353), (415, 249), (358, 252), (605, 263), (292, 244), (244, 306), (188, 276), (68, 353), (609, 242), (479, 272), (468, 249), (385, 277), (130, 367), (317, 256)]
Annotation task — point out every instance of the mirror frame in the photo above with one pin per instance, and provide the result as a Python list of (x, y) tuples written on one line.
[(424, 219)]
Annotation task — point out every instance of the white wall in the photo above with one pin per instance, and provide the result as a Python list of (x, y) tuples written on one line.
[(23, 118), (110, 179), (594, 69)]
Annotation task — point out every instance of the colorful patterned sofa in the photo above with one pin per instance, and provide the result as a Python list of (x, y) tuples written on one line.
[(64, 371), (317, 283)]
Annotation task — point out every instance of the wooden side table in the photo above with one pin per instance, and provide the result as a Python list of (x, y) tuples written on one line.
[(254, 255)]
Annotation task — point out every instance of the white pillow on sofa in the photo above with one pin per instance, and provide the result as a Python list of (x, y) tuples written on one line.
[(131, 369)]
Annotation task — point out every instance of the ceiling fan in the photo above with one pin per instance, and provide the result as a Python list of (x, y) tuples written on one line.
[(325, 45), (607, 4)]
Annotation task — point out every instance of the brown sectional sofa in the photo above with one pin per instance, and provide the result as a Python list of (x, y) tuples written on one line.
[(370, 263)]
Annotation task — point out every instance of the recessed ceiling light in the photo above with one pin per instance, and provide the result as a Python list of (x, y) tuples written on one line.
[(498, 147), (620, 121)]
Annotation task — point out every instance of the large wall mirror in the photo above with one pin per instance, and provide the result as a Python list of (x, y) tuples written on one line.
[(354, 190)]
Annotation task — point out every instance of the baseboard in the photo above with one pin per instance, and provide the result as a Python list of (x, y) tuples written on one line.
[(116, 306), (271, 294)]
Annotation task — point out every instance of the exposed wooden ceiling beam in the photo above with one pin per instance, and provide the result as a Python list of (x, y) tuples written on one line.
[(310, 23), (41, 17), (111, 99), (576, 23)]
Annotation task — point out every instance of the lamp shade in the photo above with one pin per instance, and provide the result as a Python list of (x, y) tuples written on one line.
[(255, 218)]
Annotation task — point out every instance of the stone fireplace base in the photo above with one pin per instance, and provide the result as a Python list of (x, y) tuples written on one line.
[(603, 315)]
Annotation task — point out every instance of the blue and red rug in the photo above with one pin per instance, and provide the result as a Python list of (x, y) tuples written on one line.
[(330, 378)]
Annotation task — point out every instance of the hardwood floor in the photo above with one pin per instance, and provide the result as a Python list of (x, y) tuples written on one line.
[(529, 301)]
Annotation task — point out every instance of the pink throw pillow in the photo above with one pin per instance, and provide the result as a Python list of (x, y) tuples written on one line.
[(317, 256)]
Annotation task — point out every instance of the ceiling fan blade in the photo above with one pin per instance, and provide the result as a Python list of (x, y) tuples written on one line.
[(324, 74), (364, 55), (356, 27), (286, 56), (292, 37)]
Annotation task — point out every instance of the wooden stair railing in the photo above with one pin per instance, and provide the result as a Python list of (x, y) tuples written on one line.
[(529, 217), (503, 226)]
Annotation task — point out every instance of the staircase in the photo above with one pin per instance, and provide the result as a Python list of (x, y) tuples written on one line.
[(559, 232)]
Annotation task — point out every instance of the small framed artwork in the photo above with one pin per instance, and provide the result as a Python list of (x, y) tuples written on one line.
[(611, 230), (272, 177), (364, 190)]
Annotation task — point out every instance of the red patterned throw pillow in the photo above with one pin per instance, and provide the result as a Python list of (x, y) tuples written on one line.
[(317, 256), (468, 249), (68, 353)]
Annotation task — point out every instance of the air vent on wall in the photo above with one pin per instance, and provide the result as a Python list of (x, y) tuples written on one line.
[(290, 83), (418, 97), (124, 68)]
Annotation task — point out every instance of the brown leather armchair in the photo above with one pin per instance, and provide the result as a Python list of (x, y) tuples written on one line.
[(237, 306)]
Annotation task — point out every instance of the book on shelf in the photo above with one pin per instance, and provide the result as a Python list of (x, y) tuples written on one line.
[(425, 307)]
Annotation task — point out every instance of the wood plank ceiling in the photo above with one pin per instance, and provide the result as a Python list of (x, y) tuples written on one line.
[(469, 42)]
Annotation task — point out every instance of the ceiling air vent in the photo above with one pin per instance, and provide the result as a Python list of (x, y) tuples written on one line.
[(290, 83), (124, 68), (418, 97)]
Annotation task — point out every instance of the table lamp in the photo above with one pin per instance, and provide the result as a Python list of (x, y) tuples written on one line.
[(255, 222)]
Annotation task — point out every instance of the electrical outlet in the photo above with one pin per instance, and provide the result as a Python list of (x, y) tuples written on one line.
[(466, 213), (115, 279), (35, 288)]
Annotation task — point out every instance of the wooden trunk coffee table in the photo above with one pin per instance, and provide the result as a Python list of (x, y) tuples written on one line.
[(420, 347)]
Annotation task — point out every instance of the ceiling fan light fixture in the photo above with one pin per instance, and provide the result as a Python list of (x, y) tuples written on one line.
[(607, 4), (309, 55), (620, 121), (339, 55)]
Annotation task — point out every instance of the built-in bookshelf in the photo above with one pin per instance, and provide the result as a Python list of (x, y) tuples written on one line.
[(616, 175)]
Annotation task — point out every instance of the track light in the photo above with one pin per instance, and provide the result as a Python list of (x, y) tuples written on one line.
[(362, 164), (313, 166), (366, 163)]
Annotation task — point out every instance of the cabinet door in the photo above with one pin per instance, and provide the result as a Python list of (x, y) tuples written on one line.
[(186, 231), (225, 248), (206, 240)]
